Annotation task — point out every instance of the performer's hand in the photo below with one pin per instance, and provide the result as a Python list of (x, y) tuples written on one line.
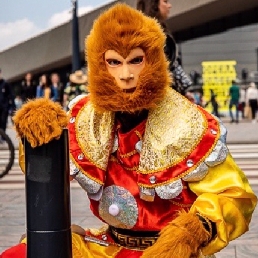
[(181, 238), (40, 121)]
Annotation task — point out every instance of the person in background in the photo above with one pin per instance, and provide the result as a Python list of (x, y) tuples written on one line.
[(242, 102), (234, 95), (252, 100), (18, 102), (57, 88), (77, 85), (214, 103), (28, 88), (198, 98), (159, 9), (190, 96), (44, 89), (7, 105)]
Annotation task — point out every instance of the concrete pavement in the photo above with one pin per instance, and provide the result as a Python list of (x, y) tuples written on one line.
[(243, 132)]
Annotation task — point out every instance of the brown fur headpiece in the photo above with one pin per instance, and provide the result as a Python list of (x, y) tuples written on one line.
[(122, 28)]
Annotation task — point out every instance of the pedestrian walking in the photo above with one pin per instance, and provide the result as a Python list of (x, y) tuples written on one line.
[(214, 103), (234, 95), (242, 102), (252, 100), (7, 105)]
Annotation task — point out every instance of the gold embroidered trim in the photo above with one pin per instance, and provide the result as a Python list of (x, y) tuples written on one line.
[(173, 131), (94, 134), (84, 172), (190, 169), (181, 204), (177, 177), (138, 243), (114, 159), (128, 154), (131, 153), (138, 134)]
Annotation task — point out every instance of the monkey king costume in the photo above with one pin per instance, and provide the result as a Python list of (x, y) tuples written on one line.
[(155, 166)]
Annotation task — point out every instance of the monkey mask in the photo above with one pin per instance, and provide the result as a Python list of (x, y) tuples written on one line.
[(127, 67)]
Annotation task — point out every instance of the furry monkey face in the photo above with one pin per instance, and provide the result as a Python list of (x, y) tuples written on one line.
[(127, 66), (126, 71)]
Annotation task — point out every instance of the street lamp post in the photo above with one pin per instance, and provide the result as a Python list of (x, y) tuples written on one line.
[(76, 62)]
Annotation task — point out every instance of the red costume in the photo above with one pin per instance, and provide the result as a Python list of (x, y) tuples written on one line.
[(155, 166)]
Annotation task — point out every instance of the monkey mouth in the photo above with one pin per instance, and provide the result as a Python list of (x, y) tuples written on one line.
[(131, 90)]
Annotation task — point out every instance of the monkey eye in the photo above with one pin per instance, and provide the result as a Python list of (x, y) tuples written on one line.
[(113, 62), (137, 60)]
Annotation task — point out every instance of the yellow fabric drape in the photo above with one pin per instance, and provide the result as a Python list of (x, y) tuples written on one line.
[(226, 198), (82, 248)]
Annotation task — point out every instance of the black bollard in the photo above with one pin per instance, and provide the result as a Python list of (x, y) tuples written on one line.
[(48, 199)]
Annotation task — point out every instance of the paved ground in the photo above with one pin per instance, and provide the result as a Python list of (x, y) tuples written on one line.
[(12, 205), (243, 132)]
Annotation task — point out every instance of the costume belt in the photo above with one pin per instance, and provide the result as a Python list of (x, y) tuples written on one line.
[(139, 240)]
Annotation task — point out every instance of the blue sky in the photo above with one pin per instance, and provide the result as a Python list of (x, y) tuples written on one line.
[(23, 19)]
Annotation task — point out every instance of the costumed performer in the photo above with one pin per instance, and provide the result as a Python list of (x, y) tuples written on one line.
[(155, 166)]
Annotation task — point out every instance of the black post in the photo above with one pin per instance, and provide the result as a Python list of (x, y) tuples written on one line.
[(76, 60), (48, 199)]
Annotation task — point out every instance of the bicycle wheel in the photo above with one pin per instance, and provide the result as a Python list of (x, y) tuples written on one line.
[(7, 153)]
